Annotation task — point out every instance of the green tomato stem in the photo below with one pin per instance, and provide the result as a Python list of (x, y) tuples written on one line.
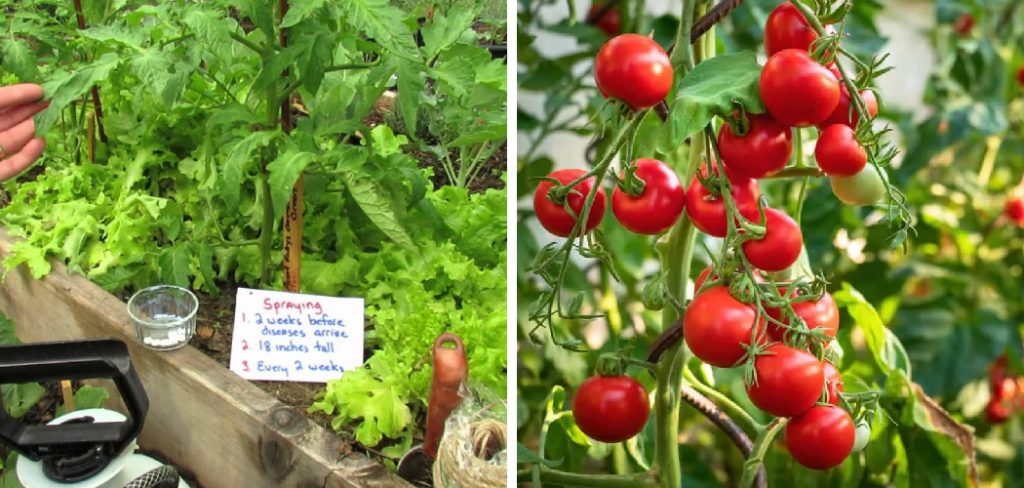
[(760, 449), (733, 410), (554, 476)]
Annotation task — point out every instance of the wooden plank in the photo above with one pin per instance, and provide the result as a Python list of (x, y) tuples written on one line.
[(221, 428)]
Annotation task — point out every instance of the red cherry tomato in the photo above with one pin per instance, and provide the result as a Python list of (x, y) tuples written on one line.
[(786, 28), (1020, 76), (964, 25), (780, 246), (821, 438), (553, 216), (1014, 210), (822, 312), (997, 412), (716, 326), (796, 90), (833, 381), (634, 69), (611, 408), (609, 22), (842, 114), (789, 381), (659, 204), (763, 150), (708, 211), (838, 152)]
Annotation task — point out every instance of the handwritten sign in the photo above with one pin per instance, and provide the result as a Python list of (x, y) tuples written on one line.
[(291, 337)]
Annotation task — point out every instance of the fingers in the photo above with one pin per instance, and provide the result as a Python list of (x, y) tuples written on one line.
[(15, 138), (23, 159), (20, 94), (15, 115)]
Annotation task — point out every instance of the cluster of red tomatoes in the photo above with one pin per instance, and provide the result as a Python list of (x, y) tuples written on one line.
[(1007, 393), (719, 329)]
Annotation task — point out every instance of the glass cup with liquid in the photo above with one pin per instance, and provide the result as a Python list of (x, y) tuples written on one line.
[(164, 316)]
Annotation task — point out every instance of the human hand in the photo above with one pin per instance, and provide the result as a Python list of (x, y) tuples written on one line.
[(19, 146)]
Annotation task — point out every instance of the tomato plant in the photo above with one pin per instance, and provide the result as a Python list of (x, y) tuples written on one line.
[(746, 307), (219, 144)]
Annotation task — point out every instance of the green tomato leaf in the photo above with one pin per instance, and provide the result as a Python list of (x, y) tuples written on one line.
[(284, 172), (238, 160), (712, 88), (19, 58), (298, 10), (887, 350), (382, 21), (62, 91), (443, 31), (366, 193)]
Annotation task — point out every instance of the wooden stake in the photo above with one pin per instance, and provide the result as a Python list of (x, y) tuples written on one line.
[(293, 214)]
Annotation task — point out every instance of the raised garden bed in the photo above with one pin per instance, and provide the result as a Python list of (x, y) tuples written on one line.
[(222, 429)]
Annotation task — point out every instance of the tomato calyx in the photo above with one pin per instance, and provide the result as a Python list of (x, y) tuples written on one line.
[(630, 183)]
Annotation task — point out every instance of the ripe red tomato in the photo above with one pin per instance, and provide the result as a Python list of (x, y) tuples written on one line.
[(1005, 389), (1020, 76), (964, 25), (659, 204), (764, 150), (634, 69), (997, 412), (786, 28), (842, 114), (789, 381), (708, 211), (1014, 210), (821, 438), (838, 152), (780, 246), (553, 216), (609, 22), (611, 408), (796, 90), (833, 381), (822, 312), (716, 326)]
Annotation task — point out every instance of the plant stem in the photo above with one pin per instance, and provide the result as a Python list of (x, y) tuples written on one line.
[(249, 44), (676, 257), (988, 161), (760, 449), (734, 411), (553, 476)]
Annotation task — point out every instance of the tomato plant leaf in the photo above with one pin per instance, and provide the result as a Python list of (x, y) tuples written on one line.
[(175, 266), (712, 88), (284, 172), (443, 31), (18, 58), (410, 94), (377, 208), (382, 21), (299, 10), (62, 91), (885, 347), (237, 162)]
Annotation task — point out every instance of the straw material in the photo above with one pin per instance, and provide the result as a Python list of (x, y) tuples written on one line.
[(472, 453)]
